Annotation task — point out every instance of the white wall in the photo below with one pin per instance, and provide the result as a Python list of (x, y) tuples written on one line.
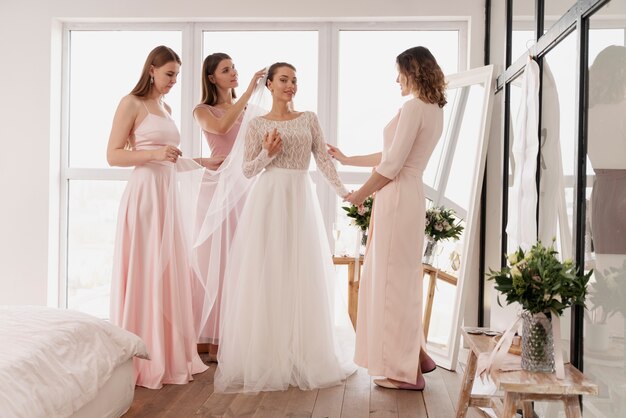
[(30, 91)]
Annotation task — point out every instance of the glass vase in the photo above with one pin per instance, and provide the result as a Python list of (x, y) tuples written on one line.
[(363, 242), (429, 250), (537, 343)]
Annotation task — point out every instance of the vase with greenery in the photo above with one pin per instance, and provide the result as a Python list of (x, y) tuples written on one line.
[(544, 286)]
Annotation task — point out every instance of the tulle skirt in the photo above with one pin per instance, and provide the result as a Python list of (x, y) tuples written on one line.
[(278, 322)]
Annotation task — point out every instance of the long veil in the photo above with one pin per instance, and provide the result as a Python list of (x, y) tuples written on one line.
[(211, 202)]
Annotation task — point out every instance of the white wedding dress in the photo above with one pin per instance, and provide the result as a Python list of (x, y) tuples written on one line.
[(277, 319)]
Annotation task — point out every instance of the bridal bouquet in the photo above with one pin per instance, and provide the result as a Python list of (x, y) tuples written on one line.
[(360, 215)]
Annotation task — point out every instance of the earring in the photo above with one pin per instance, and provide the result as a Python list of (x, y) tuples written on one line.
[(151, 80)]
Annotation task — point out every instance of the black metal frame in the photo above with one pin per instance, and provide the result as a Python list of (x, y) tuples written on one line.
[(576, 18), (483, 193)]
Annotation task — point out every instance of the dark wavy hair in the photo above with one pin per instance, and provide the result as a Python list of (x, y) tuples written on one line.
[(158, 57), (209, 90), (272, 70), (607, 76), (423, 74)]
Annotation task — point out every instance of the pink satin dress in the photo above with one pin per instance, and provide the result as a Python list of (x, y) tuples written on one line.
[(151, 284), (209, 327)]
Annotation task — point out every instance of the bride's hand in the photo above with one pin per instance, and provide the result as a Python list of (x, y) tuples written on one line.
[(272, 142), (355, 199), (336, 153)]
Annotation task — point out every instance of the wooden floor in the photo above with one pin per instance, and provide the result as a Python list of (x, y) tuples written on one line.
[(358, 397)]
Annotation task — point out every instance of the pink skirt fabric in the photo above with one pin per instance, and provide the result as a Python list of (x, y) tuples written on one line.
[(151, 286)]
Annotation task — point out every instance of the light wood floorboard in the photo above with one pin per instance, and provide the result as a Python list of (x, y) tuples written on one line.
[(359, 397)]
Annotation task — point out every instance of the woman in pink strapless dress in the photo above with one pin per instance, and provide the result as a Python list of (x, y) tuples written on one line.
[(151, 284), (389, 334), (219, 116)]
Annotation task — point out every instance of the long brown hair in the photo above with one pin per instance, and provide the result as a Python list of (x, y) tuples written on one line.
[(209, 90), (423, 74), (158, 57)]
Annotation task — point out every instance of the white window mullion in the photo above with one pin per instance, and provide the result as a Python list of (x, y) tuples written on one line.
[(61, 279), (326, 110), (197, 58), (190, 66)]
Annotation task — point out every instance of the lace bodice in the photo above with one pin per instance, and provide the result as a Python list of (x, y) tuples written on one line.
[(301, 137)]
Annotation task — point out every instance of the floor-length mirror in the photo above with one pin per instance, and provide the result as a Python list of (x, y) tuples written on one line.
[(605, 250), (455, 174)]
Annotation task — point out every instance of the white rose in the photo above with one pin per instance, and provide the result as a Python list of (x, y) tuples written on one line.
[(515, 272)]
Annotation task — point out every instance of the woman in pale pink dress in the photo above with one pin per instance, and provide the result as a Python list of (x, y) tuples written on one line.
[(219, 116), (151, 284), (389, 335)]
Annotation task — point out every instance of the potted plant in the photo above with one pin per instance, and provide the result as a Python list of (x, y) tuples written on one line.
[(441, 224), (544, 286)]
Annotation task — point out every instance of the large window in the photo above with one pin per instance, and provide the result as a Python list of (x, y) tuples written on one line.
[(368, 97), (255, 49), (343, 75), (101, 67)]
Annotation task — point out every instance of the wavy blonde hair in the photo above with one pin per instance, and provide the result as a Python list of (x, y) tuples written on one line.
[(423, 74)]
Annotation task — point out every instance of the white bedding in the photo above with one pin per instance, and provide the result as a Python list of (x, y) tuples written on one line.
[(114, 398), (54, 361)]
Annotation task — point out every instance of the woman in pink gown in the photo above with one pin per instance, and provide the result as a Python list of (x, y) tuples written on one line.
[(389, 335), (219, 116), (151, 284)]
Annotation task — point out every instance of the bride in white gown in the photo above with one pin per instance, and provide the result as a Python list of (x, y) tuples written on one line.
[(277, 311)]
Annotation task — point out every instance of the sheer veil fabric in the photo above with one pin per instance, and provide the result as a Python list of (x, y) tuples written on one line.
[(211, 202)]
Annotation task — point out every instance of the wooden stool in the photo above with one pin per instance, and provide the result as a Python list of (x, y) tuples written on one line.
[(521, 387)]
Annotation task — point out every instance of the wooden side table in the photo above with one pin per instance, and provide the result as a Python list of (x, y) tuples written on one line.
[(521, 387), (433, 275), (353, 286)]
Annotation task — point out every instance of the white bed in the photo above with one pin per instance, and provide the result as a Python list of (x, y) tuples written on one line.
[(63, 363)]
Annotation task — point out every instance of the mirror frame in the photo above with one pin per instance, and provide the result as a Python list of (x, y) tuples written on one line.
[(447, 357)]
